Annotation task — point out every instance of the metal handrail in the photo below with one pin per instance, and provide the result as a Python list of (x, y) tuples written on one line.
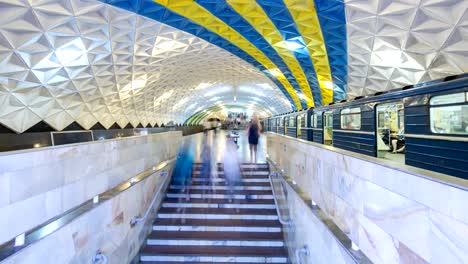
[(289, 222), (99, 258), (137, 219), (303, 250)]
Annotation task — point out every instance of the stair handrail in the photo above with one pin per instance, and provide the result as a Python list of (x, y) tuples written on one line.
[(303, 250), (278, 211), (136, 219), (99, 258)]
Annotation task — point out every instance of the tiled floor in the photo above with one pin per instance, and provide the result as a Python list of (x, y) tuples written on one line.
[(217, 142)]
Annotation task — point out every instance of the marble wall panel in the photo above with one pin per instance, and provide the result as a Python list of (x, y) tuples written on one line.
[(105, 228), (308, 230), (394, 214), (62, 177)]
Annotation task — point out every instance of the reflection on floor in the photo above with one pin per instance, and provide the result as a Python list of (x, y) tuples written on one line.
[(217, 141), (396, 157)]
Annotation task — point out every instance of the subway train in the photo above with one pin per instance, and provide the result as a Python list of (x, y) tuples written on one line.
[(424, 125)]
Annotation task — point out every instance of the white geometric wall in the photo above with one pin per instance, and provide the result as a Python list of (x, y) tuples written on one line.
[(393, 43), (85, 61)]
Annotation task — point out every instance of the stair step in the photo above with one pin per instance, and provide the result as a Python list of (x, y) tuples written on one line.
[(220, 222), (216, 205), (220, 211), (246, 173), (214, 254), (221, 201), (220, 196), (242, 165), (244, 192), (222, 181), (204, 228), (197, 262), (208, 235), (213, 238), (216, 187), (185, 215)]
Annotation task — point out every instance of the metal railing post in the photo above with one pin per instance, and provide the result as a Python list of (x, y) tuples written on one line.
[(137, 219), (283, 222)]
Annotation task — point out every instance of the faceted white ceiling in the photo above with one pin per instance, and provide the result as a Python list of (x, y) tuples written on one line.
[(393, 43), (85, 61)]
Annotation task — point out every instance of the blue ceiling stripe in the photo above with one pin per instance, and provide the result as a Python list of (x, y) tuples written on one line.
[(331, 14), (282, 19), (228, 15), (153, 10)]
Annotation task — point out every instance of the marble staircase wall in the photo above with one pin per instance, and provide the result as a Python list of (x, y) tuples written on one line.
[(105, 228), (307, 229), (395, 215), (39, 184)]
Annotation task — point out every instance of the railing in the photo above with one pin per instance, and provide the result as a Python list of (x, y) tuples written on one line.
[(137, 219), (278, 211), (301, 251), (99, 258)]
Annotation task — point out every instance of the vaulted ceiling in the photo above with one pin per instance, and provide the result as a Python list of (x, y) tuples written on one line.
[(147, 62)]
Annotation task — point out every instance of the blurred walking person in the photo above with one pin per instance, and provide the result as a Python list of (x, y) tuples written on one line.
[(253, 134), (205, 172), (231, 166), (182, 173)]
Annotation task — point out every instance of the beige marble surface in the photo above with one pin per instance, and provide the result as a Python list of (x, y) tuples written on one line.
[(307, 229), (394, 215), (105, 228), (38, 184)]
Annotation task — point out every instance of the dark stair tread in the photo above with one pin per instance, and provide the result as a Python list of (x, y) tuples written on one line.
[(167, 210), (220, 201), (172, 262), (216, 235), (217, 222), (245, 192), (215, 251), (196, 262), (259, 184), (244, 176)]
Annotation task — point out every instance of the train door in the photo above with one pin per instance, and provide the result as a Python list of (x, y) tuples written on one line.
[(276, 125), (286, 124), (328, 128), (299, 126), (390, 132)]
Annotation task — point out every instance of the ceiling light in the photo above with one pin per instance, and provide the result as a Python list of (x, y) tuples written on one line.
[(275, 72), (327, 84), (293, 45), (202, 86)]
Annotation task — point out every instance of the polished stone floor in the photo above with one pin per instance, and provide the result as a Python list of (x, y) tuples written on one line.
[(217, 143)]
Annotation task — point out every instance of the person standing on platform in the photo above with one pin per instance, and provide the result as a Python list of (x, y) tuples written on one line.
[(253, 134)]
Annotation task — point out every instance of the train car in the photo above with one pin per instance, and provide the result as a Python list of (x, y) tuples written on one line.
[(424, 125)]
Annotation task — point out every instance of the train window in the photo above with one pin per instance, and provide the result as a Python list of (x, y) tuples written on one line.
[(328, 128), (390, 136), (299, 125), (351, 118), (291, 121), (449, 114), (313, 120)]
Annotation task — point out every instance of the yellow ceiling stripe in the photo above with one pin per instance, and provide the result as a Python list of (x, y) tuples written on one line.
[(259, 20), (193, 11), (308, 24)]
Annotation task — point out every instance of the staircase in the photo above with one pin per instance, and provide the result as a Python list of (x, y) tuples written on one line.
[(211, 228)]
